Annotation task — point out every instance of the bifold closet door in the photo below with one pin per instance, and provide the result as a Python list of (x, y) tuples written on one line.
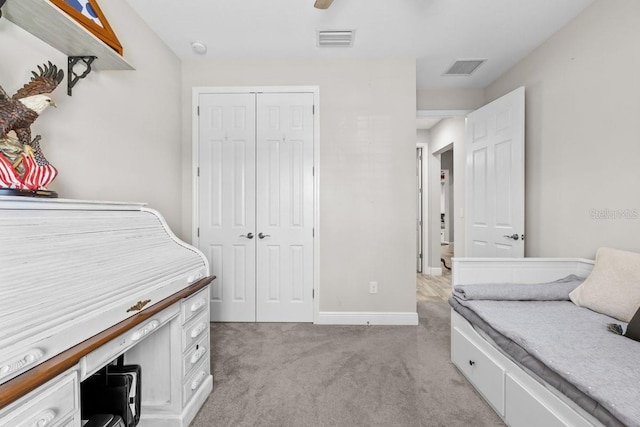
[(255, 202), (226, 202), (284, 205)]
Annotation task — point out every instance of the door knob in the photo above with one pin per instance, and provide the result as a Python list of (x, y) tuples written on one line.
[(262, 236), (514, 236), (247, 236)]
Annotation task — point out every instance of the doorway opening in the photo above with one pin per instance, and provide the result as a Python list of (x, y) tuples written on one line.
[(441, 137), (434, 282), (440, 133)]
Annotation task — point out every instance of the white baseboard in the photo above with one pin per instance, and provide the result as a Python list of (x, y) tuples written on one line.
[(366, 318), (433, 271)]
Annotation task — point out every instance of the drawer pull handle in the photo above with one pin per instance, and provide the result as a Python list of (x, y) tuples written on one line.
[(149, 327), (198, 380), (15, 365), (198, 330), (45, 418), (197, 355), (471, 363), (197, 305)]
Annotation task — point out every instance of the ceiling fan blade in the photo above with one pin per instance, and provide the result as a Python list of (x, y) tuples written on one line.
[(322, 4)]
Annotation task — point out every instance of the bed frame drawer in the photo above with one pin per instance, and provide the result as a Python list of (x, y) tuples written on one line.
[(482, 371), (530, 404), (524, 409), (526, 402)]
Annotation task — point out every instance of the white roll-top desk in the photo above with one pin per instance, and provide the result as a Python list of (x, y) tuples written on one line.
[(84, 282)]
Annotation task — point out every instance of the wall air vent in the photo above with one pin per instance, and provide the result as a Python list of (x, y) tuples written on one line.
[(331, 38), (464, 67)]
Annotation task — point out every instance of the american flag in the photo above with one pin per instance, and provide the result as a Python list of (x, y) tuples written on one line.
[(38, 172), (9, 177)]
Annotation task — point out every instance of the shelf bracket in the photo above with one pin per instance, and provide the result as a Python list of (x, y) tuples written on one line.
[(72, 76)]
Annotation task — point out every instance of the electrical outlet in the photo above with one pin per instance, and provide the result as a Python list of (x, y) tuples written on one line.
[(373, 287)]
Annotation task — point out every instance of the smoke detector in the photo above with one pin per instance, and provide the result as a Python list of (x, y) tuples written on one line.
[(199, 48)]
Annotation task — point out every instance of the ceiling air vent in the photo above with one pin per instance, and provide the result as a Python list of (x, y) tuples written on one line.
[(464, 67), (331, 38)]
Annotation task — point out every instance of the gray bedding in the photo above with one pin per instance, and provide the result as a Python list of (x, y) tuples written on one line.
[(551, 291), (570, 348)]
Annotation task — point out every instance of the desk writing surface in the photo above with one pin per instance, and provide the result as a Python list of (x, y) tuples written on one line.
[(72, 269)]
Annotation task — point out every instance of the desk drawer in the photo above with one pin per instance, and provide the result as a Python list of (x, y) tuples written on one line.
[(48, 406), (195, 304), (195, 381), (196, 329), (95, 360), (25, 359), (195, 356)]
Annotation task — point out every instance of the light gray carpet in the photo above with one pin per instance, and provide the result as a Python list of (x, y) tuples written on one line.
[(269, 374)]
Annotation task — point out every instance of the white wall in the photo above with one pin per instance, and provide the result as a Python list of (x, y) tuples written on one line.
[(367, 170), (450, 99), (422, 136), (582, 143), (118, 136)]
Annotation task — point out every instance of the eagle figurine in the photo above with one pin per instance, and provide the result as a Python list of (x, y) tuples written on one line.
[(18, 112), (22, 164)]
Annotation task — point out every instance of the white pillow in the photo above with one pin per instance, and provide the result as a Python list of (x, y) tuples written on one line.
[(613, 287)]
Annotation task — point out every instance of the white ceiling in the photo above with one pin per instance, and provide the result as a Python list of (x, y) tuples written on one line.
[(434, 32)]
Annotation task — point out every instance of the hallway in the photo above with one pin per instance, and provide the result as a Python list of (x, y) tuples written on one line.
[(436, 288)]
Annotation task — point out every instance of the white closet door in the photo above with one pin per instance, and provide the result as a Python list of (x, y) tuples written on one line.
[(227, 202), (284, 204)]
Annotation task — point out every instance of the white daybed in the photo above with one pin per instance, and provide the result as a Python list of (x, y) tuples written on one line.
[(519, 395)]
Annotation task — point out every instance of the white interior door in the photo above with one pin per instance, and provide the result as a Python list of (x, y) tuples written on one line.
[(285, 207), (226, 193), (494, 175), (256, 204)]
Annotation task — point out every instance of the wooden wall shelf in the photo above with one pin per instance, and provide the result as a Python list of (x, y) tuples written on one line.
[(45, 21)]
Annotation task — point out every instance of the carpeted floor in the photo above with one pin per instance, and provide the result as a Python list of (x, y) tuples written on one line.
[(268, 374)]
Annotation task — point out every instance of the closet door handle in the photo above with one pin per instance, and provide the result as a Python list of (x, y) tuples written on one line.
[(262, 236), (247, 236)]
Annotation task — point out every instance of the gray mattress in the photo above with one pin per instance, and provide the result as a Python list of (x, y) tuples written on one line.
[(570, 348)]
